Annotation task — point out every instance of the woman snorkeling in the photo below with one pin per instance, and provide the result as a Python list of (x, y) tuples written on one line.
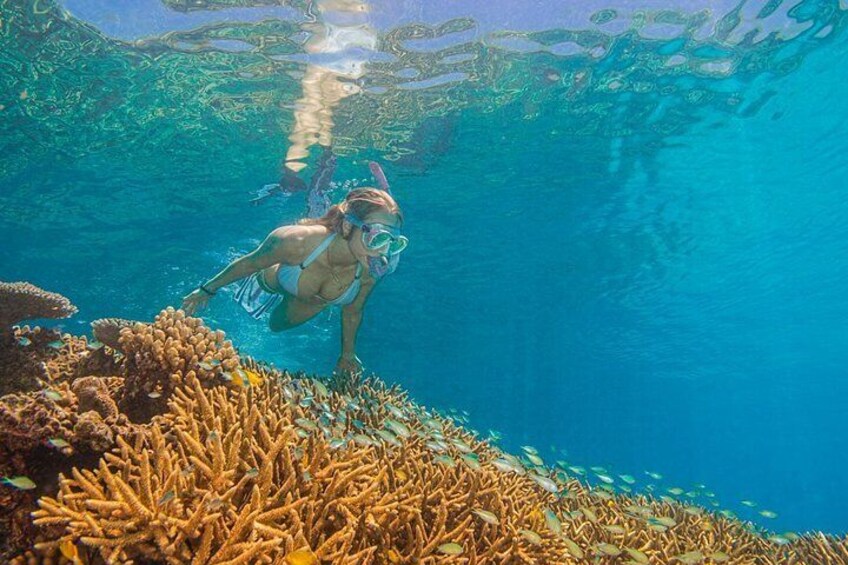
[(335, 259)]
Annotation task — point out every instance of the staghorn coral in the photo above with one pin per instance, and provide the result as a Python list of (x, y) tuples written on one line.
[(235, 475), (24, 301), (335, 471), (159, 354)]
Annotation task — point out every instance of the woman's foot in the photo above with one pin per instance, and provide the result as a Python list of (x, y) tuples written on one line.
[(291, 183)]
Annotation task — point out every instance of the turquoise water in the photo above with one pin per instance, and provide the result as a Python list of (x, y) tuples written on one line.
[(628, 223)]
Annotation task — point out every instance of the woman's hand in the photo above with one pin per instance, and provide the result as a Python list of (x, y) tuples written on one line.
[(349, 363), (195, 301)]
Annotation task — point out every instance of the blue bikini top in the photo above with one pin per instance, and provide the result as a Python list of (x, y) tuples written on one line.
[(289, 275)]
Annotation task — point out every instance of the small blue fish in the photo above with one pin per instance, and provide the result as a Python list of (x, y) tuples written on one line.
[(252, 473), (306, 424), (471, 460), (19, 482), (168, 496), (336, 443), (397, 428), (545, 482), (396, 412), (52, 394), (94, 345), (24, 341), (58, 344), (58, 443), (445, 460), (306, 402)]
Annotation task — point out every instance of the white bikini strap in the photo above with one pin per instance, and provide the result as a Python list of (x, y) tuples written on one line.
[(317, 251)]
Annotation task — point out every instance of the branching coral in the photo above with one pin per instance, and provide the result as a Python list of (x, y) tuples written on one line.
[(159, 354), (233, 475), (291, 470)]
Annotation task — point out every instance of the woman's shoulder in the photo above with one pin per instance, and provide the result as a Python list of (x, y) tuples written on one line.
[(299, 240)]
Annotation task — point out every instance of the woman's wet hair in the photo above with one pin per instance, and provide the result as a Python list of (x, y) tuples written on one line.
[(359, 202)]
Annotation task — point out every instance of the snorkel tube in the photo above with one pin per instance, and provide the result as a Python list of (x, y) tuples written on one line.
[(384, 264), (379, 176)]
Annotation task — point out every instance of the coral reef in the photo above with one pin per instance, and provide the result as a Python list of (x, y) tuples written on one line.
[(95, 394), (160, 354), (19, 370), (21, 301), (108, 330), (282, 468), (50, 418)]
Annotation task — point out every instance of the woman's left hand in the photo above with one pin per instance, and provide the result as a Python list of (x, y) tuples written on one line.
[(350, 363)]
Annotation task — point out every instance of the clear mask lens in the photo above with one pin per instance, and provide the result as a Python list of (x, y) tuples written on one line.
[(381, 239)]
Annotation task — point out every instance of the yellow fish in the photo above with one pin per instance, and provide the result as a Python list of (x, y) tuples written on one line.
[(589, 514), (394, 556), (243, 377), (535, 515), (70, 552), (253, 378), (450, 549), (301, 557)]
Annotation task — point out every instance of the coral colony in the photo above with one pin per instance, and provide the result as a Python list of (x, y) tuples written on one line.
[(157, 443)]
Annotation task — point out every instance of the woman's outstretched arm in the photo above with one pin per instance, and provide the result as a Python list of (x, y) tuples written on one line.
[(351, 319), (275, 249)]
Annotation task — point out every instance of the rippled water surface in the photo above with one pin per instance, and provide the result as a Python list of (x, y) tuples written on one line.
[(628, 218)]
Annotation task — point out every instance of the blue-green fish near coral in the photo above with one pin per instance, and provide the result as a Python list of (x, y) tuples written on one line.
[(19, 482)]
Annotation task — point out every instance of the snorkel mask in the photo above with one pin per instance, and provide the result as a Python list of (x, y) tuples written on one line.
[(386, 239)]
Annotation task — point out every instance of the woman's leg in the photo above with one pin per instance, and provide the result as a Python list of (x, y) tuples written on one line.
[(292, 312)]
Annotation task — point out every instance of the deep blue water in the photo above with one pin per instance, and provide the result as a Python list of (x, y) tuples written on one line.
[(642, 281)]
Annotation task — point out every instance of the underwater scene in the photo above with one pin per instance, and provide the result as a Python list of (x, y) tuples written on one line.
[(307, 282)]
